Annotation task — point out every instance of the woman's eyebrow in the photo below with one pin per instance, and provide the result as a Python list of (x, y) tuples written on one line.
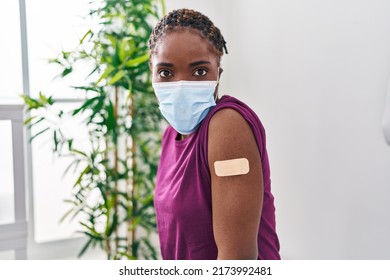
[(164, 64), (196, 63)]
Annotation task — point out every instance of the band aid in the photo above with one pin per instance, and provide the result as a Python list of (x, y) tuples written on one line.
[(231, 167)]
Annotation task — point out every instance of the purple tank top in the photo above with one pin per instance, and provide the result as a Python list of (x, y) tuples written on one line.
[(183, 193)]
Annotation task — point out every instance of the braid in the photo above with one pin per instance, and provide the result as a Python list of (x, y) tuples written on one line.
[(186, 18)]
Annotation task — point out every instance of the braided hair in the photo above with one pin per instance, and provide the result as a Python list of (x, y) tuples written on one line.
[(186, 18)]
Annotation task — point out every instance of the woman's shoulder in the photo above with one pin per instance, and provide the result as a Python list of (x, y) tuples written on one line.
[(230, 107), (234, 117), (227, 116)]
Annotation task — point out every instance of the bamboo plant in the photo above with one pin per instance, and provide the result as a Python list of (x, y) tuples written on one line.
[(123, 122)]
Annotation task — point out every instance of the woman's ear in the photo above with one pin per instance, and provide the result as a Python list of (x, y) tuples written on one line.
[(220, 72)]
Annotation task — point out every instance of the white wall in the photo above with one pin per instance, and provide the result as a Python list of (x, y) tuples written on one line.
[(316, 72)]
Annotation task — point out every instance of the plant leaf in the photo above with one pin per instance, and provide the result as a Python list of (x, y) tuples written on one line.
[(39, 133), (66, 215), (89, 32), (119, 75), (138, 60), (85, 105), (27, 121), (84, 249), (106, 73)]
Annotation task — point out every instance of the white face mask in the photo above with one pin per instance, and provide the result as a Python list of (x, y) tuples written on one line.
[(184, 104)]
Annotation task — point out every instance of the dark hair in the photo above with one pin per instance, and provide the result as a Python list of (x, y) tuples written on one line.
[(186, 18)]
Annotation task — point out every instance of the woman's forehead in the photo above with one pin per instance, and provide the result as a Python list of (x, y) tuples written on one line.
[(183, 45)]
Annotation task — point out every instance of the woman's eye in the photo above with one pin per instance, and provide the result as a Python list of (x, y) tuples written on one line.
[(200, 72), (165, 73)]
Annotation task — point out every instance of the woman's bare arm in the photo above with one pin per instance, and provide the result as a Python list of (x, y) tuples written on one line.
[(236, 200)]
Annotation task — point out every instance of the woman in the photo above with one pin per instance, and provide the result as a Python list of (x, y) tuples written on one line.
[(212, 197)]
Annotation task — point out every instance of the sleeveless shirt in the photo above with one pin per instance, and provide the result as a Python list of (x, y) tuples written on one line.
[(183, 192)]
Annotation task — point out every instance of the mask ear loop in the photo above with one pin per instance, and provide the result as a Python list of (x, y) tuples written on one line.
[(216, 85), (217, 77)]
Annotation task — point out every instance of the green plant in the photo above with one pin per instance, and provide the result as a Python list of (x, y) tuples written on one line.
[(123, 121)]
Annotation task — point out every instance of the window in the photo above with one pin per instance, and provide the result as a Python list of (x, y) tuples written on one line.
[(10, 53), (51, 26), (50, 32), (51, 187), (7, 214)]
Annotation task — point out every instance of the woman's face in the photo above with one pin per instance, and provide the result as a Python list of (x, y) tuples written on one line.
[(184, 55)]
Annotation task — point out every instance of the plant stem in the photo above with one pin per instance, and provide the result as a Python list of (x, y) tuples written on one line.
[(163, 7), (129, 179), (133, 151), (116, 159), (128, 202), (107, 247)]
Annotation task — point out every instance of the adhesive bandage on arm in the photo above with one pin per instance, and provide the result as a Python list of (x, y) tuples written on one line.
[(231, 167)]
